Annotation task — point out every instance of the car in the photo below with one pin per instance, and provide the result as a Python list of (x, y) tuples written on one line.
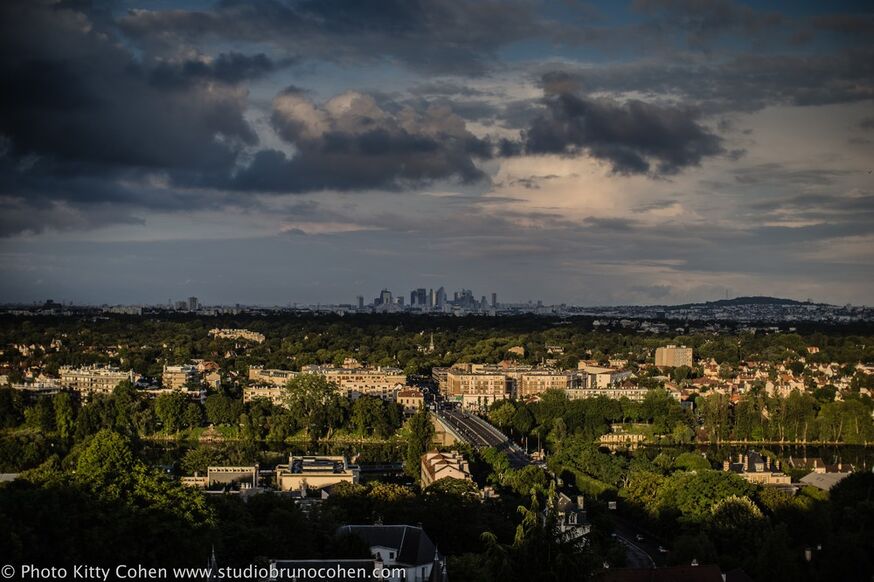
[(639, 537), (663, 550)]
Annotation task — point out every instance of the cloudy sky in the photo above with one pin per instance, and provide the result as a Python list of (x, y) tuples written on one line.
[(276, 151)]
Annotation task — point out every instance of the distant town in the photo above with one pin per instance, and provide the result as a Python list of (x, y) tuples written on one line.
[(462, 303)]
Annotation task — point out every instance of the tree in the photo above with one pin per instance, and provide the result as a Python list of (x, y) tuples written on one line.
[(502, 413), (523, 421), (694, 494), (11, 408), (222, 409), (643, 489), (170, 409), (691, 462), (106, 464), (421, 431), (193, 415), (65, 419), (41, 416), (314, 400)]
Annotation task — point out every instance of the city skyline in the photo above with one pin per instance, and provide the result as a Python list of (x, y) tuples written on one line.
[(276, 151)]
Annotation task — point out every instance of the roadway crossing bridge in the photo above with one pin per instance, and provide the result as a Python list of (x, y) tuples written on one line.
[(475, 431)]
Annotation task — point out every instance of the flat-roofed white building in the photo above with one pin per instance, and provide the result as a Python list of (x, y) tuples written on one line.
[(314, 472)]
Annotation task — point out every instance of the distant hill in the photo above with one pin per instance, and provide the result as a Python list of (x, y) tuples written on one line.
[(757, 300)]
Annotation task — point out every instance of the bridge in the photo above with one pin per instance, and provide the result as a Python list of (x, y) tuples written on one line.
[(473, 430)]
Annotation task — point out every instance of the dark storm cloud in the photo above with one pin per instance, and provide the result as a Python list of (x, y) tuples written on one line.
[(434, 35), (632, 137), (703, 20), (444, 87), (355, 142), (72, 94), (226, 68), (774, 173), (743, 82)]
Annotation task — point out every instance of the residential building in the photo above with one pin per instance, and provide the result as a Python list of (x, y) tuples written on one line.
[(532, 383), (242, 477), (179, 377), (268, 377), (403, 546), (436, 465), (817, 465), (598, 377), (43, 387), (275, 394), (93, 379), (634, 393), (384, 382), (673, 357), (314, 472), (459, 383), (238, 334), (757, 468), (572, 521), (411, 399)]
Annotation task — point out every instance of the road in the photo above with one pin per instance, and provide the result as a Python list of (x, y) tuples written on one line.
[(635, 555), (644, 552), (481, 434)]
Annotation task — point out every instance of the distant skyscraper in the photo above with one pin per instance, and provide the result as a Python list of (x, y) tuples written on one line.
[(192, 304), (361, 302), (413, 301), (494, 299), (385, 297), (401, 300), (440, 298), (421, 297), (432, 298)]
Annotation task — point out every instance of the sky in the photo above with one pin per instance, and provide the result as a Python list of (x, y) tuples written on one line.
[(308, 151)]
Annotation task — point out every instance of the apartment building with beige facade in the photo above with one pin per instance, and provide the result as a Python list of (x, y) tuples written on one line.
[(237, 334), (598, 377), (411, 400), (673, 356), (179, 377), (459, 383), (633, 393), (270, 377), (275, 394), (529, 384), (93, 379), (384, 382)]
